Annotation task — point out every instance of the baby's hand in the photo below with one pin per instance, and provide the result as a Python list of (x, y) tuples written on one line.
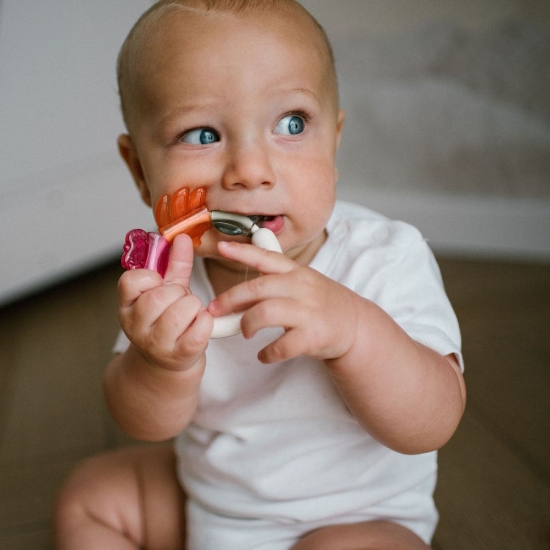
[(318, 314), (161, 317)]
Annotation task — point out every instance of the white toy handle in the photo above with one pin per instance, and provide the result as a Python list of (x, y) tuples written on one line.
[(229, 325)]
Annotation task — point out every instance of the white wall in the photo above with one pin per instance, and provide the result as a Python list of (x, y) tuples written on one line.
[(448, 122), (65, 198), (381, 16)]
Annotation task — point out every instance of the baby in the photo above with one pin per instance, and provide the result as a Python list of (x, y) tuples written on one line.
[(317, 427)]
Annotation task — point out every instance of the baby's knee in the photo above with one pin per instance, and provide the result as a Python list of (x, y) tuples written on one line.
[(97, 491), (371, 535), (82, 484), (123, 499)]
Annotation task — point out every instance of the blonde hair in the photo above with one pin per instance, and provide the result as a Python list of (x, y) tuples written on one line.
[(129, 58)]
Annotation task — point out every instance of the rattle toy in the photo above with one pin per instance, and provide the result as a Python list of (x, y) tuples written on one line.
[(185, 212)]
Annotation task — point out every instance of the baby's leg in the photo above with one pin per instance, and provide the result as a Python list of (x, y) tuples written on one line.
[(128, 499), (370, 535)]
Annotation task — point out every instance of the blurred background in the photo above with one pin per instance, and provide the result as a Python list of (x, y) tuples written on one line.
[(448, 127), (64, 195)]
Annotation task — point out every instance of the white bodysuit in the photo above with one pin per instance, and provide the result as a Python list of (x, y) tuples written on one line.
[(273, 452)]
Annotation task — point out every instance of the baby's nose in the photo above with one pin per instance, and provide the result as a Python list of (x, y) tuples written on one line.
[(248, 165)]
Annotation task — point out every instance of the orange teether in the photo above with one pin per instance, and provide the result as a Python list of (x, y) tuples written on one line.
[(183, 212)]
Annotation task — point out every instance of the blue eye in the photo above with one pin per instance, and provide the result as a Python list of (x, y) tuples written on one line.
[(290, 125), (200, 136)]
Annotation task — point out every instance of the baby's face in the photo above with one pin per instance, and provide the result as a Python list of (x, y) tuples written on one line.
[(242, 105)]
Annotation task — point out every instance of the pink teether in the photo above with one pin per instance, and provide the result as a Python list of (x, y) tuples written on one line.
[(145, 250)]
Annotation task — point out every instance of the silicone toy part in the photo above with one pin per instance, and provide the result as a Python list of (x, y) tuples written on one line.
[(194, 224), (185, 212), (159, 252), (265, 238), (145, 250), (136, 249), (226, 326)]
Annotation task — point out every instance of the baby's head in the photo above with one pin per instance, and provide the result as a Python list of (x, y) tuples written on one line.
[(134, 51), (240, 97)]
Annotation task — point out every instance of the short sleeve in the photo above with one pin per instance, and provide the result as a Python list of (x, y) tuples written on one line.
[(410, 289), (390, 263)]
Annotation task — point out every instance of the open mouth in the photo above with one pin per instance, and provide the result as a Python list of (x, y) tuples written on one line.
[(273, 223), (234, 224)]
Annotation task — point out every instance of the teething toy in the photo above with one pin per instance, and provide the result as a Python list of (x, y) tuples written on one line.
[(185, 212)]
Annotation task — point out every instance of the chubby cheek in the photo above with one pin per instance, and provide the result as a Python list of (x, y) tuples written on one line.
[(313, 219), (175, 172), (307, 220), (314, 190)]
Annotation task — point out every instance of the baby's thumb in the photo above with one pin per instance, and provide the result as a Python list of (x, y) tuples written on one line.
[(180, 262)]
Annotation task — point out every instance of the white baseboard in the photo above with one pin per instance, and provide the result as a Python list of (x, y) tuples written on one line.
[(468, 226)]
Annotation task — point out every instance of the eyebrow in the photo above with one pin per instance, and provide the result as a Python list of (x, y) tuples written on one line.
[(304, 91), (177, 113), (166, 119)]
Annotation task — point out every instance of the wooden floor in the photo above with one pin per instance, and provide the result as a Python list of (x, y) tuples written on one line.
[(494, 488)]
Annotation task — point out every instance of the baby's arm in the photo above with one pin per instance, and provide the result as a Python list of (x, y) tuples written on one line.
[(408, 396), (152, 388), (404, 394)]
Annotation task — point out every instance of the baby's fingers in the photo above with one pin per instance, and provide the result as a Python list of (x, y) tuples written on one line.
[(180, 262), (142, 313), (274, 312), (132, 284), (250, 292), (292, 344), (263, 261), (183, 328)]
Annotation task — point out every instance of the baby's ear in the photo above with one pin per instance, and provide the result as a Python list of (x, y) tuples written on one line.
[(340, 126), (129, 154)]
